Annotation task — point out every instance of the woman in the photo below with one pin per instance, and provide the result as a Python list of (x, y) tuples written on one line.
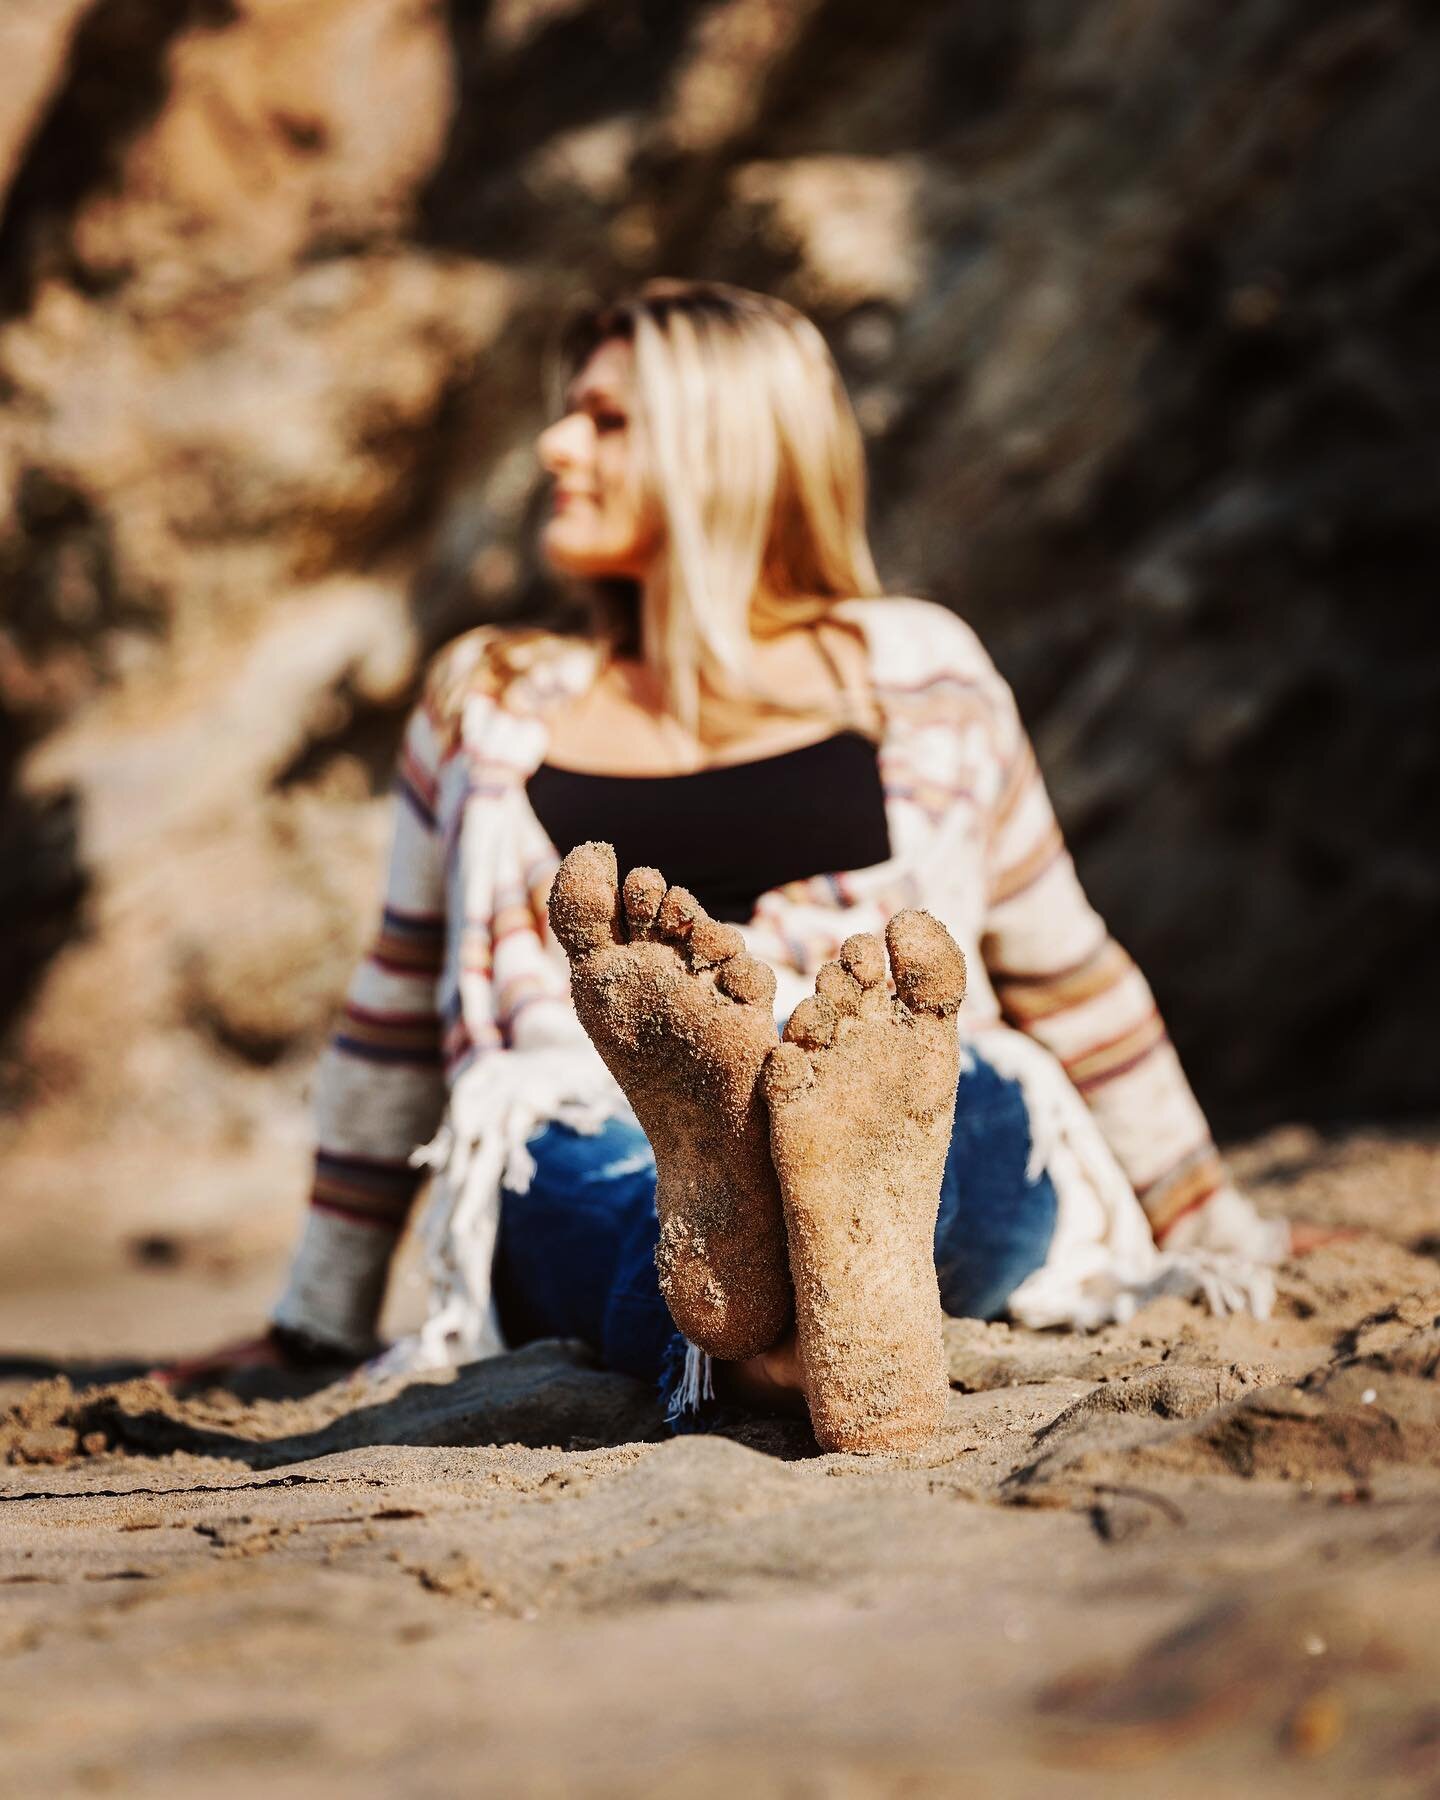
[(809, 763)]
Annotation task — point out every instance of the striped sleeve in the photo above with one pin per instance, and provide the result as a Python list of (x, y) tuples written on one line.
[(380, 1090), (1061, 977)]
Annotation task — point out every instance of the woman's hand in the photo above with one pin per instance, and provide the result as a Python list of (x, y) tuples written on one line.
[(1306, 1235), (278, 1348)]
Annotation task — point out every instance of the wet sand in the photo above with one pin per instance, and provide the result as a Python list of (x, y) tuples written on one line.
[(1185, 1556)]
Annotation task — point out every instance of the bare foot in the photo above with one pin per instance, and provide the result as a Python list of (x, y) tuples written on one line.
[(684, 1020), (862, 1098), (769, 1382), (1306, 1235), (277, 1349)]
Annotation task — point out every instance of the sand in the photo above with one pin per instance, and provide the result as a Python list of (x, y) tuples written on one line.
[(1188, 1556)]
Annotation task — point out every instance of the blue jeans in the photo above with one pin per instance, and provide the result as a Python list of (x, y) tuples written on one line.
[(576, 1252)]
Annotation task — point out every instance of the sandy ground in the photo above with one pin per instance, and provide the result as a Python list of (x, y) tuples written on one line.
[(1186, 1556)]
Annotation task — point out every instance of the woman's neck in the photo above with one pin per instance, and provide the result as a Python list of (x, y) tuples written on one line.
[(623, 726)]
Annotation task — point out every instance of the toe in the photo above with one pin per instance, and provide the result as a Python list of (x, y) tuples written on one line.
[(643, 891), (787, 1071), (928, 965), (812, 1024), (677, 914), (584, 900), (863, 959), (748, 980), (712, 942), (839, 987)]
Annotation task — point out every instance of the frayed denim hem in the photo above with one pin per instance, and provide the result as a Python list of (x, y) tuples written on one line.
[(687, 1390)]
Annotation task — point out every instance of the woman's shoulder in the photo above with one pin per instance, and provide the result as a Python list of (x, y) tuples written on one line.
[(917, 639), (492, 662)]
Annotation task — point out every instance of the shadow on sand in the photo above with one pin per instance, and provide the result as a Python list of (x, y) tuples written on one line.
[(545, 1395)]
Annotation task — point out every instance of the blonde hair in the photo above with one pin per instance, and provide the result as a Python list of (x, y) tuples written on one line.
[(757, 471)]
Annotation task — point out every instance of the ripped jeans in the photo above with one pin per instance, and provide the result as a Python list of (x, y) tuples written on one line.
[(576, 1252)]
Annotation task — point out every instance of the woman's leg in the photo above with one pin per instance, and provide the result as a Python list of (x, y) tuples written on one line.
[(995, 1224), (560, 1241), (576, 1251), (575, 1256)]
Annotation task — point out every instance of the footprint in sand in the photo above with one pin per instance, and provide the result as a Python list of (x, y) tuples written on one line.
[(862, 1097), (684, 1020)]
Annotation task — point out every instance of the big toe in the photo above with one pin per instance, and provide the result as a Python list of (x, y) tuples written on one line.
[(585, 899), (927, 963)]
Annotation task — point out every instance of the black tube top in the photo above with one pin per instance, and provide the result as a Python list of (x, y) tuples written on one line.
[(731, 833)]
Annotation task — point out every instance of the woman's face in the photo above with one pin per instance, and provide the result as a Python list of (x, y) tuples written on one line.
[(602, 521)]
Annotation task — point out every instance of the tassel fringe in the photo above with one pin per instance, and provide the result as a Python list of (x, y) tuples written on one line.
[(695, 1386)]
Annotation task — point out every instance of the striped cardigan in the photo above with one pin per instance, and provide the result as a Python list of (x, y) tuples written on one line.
[(464, 977)]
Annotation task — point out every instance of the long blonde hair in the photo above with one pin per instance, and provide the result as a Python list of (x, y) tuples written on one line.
[(758, 476)]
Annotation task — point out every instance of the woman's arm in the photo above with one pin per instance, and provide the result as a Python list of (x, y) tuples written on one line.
[(1061, 977), (380, 1089)]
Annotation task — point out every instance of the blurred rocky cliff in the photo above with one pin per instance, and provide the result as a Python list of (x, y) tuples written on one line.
[(1140, 306)]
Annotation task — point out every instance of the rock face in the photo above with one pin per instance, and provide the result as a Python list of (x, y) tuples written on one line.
[(1138, 309)]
